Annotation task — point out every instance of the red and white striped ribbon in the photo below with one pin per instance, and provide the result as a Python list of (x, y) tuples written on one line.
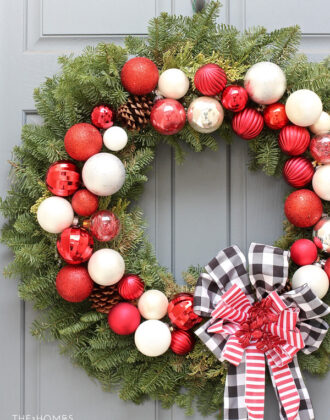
[(255, 382)]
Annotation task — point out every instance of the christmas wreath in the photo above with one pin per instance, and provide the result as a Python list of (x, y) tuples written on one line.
[(80, 249)]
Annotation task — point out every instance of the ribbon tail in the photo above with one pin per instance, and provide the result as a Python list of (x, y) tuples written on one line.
[(255, 383)]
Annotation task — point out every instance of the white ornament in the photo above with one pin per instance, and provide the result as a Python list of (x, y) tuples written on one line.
[(115, 138), (265, 82), (55, 214), (103, 174), (322, 125), (303, 107), (153, 304), (314, 276), (321, 182), (173, 83), (152, 338), (106, 267)]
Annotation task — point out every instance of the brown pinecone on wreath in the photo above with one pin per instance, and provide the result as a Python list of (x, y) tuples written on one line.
[(103, 298), (135, 114)]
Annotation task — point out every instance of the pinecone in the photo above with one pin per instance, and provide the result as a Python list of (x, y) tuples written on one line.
[(103, 298), (135, 114)]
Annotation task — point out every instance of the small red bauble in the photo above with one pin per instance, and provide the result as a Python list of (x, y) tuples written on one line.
[(102, 117), (82, 141), (181, 313), (124, 318), (320, 148), (75, 245), (84, 202), (275, 116), (303, 208), (234, 98), (298, 171), (248, 123), (73, 283), (327, 267), (130, 287), (103, 225), (182, 342), (63, 178), (139, 76), (210, 79), (293, 140), (303, 252), (168, 116)]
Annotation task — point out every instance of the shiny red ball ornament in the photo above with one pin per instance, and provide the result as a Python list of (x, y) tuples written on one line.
[(82, 141), (139, 76), (182, 342), (73, 283), (210, 79), (181, 313), (124, 318), (303, 252), (248, 123), (298, 171), (303, 208), (102, 117), (168, 116), (234, 98), (63, 178), (294, 140), (84, 202), (320, 148), (327, 267), (275, 116), (75, 245), (103, 225), (131, 287)]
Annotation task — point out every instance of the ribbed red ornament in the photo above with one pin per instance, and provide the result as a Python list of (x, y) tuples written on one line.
[(298, 171), (303, 208), (181, 313), (102, 116), (73, 283), (63, 178), (210, 79), (131, 287), (75, 245), (182, 342), (294, 140), (303, 252), (248, 123)]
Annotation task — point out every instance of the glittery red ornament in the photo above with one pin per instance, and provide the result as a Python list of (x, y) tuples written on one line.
[(320, 148), (75, 245), (182, 342), (248, 123), (298, 171), (82, 141), (102, 116), (124, 318), (327, 267), (103, 225), (84, 202), (168, 116), (63, 178), (303, 208), (210, 79), (180, 311), (275, 116), (303, 252), (130, 287), (73, 283), (234, 98), (293, 140), (139, 76)]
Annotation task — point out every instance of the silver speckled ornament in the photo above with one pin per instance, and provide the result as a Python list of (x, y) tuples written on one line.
[(205, 114), (321, 234)]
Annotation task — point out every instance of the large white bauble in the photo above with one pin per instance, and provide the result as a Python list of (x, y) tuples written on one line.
[(115, 138), (314, 276), (321, 182), (106, 267), (103, 174), (152, 338), (322, 125), (153, 304), (55, 214), (173, 83), (303, 107), (265, 82)]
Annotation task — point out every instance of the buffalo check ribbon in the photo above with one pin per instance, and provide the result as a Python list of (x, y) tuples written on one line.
[(251, 324)]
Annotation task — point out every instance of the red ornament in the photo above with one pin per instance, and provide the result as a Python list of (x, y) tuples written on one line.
[(102, 117), (182, 342), (320, 148), (294, 140), (139, 76), (298, 171), (63, 178), (130, 287), (168, 116), (275, 116), (303, 252), (84, 202), (124, 318), (327, 267), (181, 313), (103, 225), (75, 245), (303, 208), (82, 141), (234, 98), (248, 123), (210, 79), (73, 283)]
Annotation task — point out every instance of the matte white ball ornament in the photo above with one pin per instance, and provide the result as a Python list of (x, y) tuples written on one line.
[(321, 182), (115, 138), (314, 276), (103, 174), (55, 214), (152, 338), (153, 304), (173, 83), (106, 267), (303, 107), (322, 125)]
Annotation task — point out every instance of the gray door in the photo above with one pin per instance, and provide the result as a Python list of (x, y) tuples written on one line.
[(187, 223)]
